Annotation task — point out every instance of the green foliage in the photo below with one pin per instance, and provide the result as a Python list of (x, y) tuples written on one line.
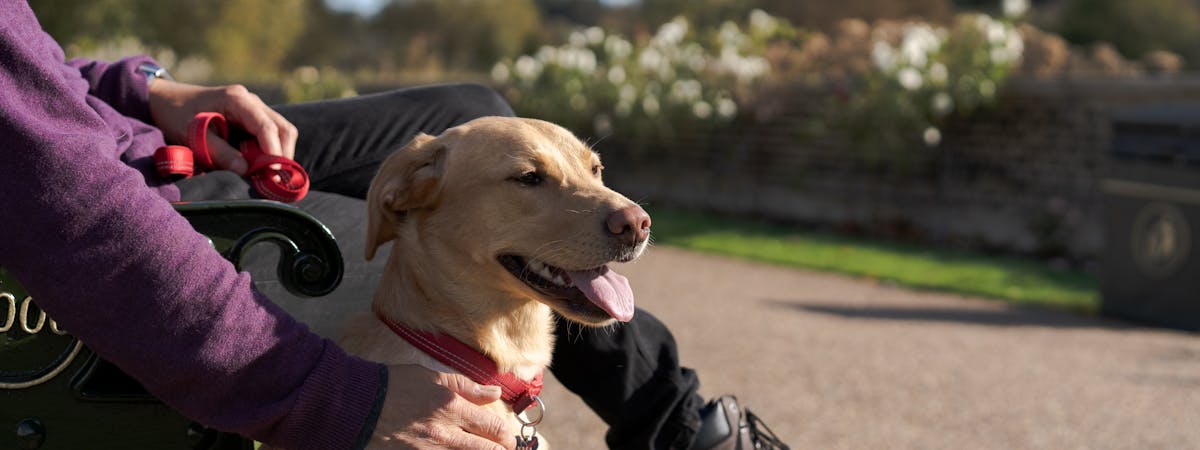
[(241, 38), (70, 21), (1134, 27), (307, 83), (250, 37), (1008, 279), (824, 14), (701, 13), (460, 34)]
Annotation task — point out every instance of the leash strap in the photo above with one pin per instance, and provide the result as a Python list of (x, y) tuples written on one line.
[(289, 183), (519, 393)]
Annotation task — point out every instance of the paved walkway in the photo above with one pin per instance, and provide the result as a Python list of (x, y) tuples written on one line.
[(832, 362)]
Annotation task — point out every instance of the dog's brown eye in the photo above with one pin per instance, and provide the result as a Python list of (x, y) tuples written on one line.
[(596, 169), (529, 179)]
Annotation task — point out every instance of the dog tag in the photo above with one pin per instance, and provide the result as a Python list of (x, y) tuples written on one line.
[(530, 443)]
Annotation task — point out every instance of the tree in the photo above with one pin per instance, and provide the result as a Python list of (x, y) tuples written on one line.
[(459, 34), (1134, 27), (825, 14), (251, 37)]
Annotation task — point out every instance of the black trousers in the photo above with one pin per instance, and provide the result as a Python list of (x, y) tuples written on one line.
[(630, 376)]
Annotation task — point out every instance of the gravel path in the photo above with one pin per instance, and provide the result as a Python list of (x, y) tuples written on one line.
[(831, 362)]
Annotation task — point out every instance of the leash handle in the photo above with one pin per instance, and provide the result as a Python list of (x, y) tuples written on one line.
[(288, 183)]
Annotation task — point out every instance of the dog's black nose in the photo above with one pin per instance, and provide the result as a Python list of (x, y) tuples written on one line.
[(630, 224)]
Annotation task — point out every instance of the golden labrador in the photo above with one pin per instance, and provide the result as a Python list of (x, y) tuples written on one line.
[(496, 224)]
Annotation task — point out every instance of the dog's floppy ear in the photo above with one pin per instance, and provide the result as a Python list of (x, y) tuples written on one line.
[(407, 180)]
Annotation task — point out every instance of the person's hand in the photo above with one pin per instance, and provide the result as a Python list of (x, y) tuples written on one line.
[(432, 410), (173, 104)]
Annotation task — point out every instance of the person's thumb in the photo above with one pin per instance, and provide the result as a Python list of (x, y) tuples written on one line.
[(476, 393), (224, 156)]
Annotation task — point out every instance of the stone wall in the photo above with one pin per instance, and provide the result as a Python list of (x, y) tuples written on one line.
[(1021, 177)]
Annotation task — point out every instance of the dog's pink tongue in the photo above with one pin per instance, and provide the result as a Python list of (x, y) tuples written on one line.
[(607, 289)]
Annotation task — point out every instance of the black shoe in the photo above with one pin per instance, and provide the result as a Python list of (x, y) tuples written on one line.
[(727, 426)]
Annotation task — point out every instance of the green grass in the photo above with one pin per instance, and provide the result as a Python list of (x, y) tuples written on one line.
[(1004, 278)]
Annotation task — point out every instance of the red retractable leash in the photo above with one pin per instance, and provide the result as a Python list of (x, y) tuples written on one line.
[(287, 184)]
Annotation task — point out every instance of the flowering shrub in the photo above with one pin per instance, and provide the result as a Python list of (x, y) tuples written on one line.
[(604, 83), (922, 76), (894, 84)]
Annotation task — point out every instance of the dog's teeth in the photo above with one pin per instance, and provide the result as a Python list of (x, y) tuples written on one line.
[(545, 273)]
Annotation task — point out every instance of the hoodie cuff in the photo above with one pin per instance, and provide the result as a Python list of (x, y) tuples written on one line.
[(338, 405), (119, 84)]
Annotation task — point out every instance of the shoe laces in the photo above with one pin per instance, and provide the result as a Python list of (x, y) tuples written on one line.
[(761, 434)]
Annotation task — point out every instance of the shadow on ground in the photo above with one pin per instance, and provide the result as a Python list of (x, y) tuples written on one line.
[(1009, 316)]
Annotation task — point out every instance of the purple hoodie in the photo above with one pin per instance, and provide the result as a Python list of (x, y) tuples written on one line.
[(85, 224)]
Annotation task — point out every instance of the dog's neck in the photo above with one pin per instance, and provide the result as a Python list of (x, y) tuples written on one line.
[(514, 332)]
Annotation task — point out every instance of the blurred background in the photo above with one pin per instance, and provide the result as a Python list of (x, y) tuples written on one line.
[(980, 149), (975, 125)]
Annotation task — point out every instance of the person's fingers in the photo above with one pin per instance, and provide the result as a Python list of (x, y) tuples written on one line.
[(224, 156), (251, 114), (484, 424), (476, 393), (468, 441), (288, 134)]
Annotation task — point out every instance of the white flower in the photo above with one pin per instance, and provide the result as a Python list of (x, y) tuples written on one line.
[(730, 34), (650, 105), (1000, 56), (686, 91), (672, 33), (308, 74), (617, 47), (726, 108), (702, 110), (918, 43), (586, 61), (650, 59), (500, 72), (941, 104), (987, 89), (527, 68), (1015, 8), (547, 54), (883, 56), (1014, 46), (577, 39), (761, 22), (996, 32), (595, 35), (752, 68), (938, 74), (616, 75), (932, 136), (910, 78)]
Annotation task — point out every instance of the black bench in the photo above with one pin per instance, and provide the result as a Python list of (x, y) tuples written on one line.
[(56, 394)]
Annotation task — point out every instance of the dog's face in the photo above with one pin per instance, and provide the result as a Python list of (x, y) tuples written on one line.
[(506, 209)]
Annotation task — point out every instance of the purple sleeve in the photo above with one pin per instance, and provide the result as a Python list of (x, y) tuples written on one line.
[(113, 263), (119, 84)]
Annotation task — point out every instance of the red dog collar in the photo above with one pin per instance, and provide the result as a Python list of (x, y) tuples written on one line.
[(288, 183), (519, 393)]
